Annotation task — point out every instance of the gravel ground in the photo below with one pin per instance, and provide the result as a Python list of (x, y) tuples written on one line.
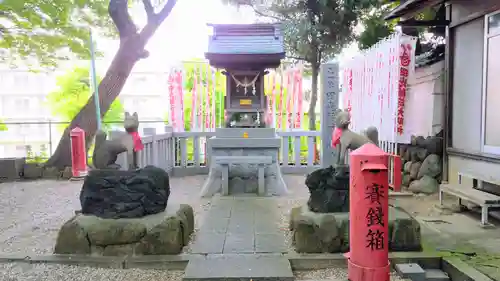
[(299, 194), (45, 272), (330, 274), (32, 212)]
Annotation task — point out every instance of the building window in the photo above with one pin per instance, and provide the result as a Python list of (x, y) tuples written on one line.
[(491, 85), (22, 104)]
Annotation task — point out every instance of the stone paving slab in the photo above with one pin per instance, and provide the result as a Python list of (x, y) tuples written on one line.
[(239, 267), (240, 225), (270, 243)]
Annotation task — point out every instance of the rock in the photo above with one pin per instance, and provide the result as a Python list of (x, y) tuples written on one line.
[(186, 215), (72, 239), (329, 190), (407, 167), (329, 232), (404, 232), (421, 154), (125, 194), (406, 179), (67, 173), (294, 213), (413, 140), (426, 185), (415, 167), (430, 167), (51, 173), (407, 155), (420, 141), (413, 154), (402, 150), (434, 145), (32, 171), (165, 238), (325, 239), (103, 232), (158, 234)]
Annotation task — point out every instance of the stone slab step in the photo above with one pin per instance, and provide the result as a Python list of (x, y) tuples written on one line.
[(239, 267), (411, 271), (436, 275)]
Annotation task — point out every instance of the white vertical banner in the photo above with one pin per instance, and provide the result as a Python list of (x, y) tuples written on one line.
[(374, 88)]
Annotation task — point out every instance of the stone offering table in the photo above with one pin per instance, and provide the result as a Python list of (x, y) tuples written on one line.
[(228, 152), (165, 233)]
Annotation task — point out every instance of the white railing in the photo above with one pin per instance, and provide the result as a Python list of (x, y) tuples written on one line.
[(184, 153)]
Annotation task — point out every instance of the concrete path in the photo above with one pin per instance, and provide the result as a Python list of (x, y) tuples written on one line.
[(241, 225)]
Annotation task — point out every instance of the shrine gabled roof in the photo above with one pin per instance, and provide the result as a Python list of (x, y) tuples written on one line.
[(246, 39)]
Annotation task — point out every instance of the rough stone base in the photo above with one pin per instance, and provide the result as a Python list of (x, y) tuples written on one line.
[(329, 232), (164, 233)]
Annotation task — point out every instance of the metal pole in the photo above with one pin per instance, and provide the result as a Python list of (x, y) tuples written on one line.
[(95, 87), (50, 137)]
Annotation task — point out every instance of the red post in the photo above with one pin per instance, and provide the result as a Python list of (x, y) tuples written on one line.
[(397, 179), (369, 221), (78, 153)]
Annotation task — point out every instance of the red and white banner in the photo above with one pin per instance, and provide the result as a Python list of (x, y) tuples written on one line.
[(281, 102), (375, 87), (172, 99), (289, 99), (298, 97), (180, 93)]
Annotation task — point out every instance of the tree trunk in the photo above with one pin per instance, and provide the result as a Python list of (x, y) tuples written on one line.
[(109, 89), (314, 96), (130, 51)]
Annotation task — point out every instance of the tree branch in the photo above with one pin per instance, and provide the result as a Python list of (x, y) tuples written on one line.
[(165, 12), (118, 11), (262, 14), (148, 7), (154, 22)]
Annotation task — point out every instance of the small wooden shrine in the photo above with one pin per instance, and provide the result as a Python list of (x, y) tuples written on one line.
[(245, 51)]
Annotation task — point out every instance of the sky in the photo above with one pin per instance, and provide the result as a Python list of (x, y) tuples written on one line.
[(184, 34)]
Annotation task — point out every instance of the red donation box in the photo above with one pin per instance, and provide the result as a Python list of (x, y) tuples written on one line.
[(78, 153), (368, 259)]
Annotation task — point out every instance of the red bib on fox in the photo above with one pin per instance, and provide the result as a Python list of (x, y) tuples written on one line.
[(138, 145)]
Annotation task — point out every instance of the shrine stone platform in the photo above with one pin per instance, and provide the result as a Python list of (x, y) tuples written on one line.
[(329, 232)]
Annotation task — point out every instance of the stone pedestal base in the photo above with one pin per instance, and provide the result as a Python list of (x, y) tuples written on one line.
[(165, 233), (329, 232), (245, 182), (243, 176)]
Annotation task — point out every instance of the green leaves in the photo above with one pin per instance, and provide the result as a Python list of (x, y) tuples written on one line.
[(314, 30), (43, 32), (3, 127), (72, 94)]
